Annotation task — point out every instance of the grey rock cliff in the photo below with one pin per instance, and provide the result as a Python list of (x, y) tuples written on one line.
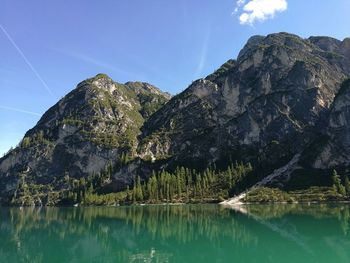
[(264, 108)]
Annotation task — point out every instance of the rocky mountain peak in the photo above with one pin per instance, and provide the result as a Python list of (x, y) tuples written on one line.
[(82, 133), (283, 39), (345, 47), (143, 88), (328, 44), (253, 42), (99, 83), (280, 80)]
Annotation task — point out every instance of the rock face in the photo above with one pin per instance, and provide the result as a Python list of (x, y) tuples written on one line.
[(335, 151), (265, 107), (283, 96)]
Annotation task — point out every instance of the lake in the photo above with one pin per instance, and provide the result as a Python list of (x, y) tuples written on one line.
[(176, 233)]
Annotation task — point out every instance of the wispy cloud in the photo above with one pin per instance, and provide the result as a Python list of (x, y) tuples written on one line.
[(26, 60), (19, 110), (251, 11), (239, 4), (96, 62), (143, 69), (203, 54)]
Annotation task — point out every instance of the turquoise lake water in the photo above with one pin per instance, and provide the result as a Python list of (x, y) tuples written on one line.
[(183, 233)]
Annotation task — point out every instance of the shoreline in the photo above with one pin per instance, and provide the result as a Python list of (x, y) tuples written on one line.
[(238, 204)]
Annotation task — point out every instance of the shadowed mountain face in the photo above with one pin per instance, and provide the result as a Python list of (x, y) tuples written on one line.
[(283, 96), (270, 104)]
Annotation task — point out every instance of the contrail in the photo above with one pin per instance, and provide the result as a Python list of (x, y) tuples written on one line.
[(20, 110), (27, 61)]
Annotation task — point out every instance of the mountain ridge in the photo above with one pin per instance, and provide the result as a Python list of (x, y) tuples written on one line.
[(281, 97)]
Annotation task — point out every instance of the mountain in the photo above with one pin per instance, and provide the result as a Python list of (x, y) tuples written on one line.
[(80, 135), (282, 106), (269, 105)]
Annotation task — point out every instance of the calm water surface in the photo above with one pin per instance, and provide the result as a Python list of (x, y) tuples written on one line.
[(187, 233)]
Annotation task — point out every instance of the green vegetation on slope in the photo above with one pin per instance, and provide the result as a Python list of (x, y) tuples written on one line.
[(35, 139), (183, 185), (274, 195), (337, 192)]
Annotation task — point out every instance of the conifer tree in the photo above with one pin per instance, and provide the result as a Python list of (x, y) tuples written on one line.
[(338, 187), (347, 186)]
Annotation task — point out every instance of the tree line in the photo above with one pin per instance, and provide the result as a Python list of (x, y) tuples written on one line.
[(182, 185), (186, 185)]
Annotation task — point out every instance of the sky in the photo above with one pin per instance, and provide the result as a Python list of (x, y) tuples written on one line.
[(48, 47)]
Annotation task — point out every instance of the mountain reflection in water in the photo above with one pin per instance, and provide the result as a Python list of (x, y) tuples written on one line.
[(176, 233)]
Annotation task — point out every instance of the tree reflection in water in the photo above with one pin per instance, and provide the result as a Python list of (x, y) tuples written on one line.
[(176, 233), (126, 232)]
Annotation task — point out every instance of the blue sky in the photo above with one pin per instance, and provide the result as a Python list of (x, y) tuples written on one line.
[(47, 47)]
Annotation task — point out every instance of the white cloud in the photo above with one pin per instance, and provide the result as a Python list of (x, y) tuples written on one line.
[(241, 2), (259, 10)]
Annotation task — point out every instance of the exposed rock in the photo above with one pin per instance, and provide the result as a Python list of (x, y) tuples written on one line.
[(264, 107), (336, 151)]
